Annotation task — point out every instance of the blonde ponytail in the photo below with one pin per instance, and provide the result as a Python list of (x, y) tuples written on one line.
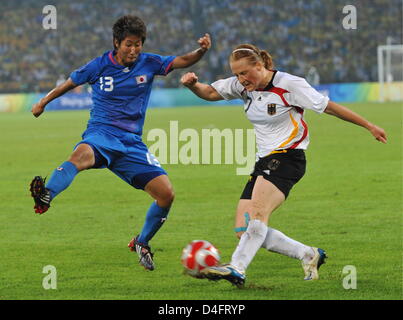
[(267, 60), (253, 55)]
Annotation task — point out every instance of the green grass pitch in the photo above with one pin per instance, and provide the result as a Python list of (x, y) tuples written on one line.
[(349, 203)]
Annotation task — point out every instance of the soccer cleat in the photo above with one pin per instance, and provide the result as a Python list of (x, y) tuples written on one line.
[(144, 253), (227, 272), (311, 268), (40, 194)]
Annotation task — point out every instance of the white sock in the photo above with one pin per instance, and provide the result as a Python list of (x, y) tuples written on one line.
[(278, 242), (250, 242)]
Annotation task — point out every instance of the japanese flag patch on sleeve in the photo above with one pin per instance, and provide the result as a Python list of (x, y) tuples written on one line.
[(141, 79)]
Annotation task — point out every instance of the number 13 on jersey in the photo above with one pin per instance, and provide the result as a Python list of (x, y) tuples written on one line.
[(106, 84)]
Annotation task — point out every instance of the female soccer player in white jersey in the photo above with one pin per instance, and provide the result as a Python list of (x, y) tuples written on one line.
[(274, 102)]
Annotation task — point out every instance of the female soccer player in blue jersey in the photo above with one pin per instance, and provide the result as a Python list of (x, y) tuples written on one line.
[(121, 82)]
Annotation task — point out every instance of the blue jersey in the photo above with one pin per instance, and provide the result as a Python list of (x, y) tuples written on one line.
[(120, 94)]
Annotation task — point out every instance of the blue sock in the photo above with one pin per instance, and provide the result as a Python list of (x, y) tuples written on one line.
[(155, 218), (61, 178)]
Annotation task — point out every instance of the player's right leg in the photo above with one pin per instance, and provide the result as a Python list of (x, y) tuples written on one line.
[(276, 241), (159, 188), (266, 197), (82, 158), (139, 168)]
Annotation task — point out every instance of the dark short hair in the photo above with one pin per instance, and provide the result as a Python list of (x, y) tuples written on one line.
[(129, 25)]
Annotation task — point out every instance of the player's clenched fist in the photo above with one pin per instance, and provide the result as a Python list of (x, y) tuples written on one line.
[(37, 109), (205, 42), (189, 79)]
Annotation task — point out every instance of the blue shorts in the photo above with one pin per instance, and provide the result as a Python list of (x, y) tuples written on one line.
[(123, 153)]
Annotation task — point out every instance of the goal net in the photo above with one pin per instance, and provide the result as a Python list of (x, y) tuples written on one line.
[(390, 72)]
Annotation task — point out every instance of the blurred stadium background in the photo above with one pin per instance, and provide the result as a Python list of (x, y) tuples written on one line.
[(350, 202), (305, 37)]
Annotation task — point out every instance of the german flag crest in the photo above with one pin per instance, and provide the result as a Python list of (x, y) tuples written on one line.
[(271, 109)]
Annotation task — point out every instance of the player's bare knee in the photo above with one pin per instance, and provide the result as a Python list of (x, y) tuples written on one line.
[(167, 198), (83, 157), (76, 160), (170, 196)]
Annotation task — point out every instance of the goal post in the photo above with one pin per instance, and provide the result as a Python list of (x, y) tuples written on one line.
[(390, 72)]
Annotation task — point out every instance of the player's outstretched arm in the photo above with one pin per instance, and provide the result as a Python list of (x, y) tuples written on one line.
[(38, 108), (348, 115), (192, 57), (202, 90)]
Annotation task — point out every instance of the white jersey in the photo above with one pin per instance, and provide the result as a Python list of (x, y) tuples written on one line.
[(276, 112)]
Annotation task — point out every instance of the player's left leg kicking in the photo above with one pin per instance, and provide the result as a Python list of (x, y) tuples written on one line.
[(154, 181), (81, 158)]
